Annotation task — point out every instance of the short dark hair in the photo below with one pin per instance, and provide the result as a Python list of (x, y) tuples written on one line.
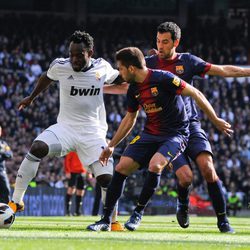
[(171, 27), (82, 37), (131, 56)]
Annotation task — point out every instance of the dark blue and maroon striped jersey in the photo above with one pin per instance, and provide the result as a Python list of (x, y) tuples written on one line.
[(159, 96), (185, 66)]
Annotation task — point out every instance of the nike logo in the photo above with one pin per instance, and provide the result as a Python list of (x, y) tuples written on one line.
[(221, 213), (137, 96), (170, 154)]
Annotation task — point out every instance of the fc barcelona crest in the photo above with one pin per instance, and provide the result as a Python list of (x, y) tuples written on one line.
[(154, 91), (179, 69)]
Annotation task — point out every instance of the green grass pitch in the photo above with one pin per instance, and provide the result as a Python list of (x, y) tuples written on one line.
[(155, 232)]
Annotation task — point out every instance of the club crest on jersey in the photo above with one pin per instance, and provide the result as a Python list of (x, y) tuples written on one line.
[(97, 76), (179, 69), (154, 91), (176, 81)]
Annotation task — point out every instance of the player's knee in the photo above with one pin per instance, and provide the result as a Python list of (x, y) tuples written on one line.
[(208, 171), (210, 175), (155, 168), (185, 177), (104, 180), (122, 169), (39, 149)]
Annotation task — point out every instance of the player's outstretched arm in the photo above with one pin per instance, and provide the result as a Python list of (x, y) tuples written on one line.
[(116, 89), (124, 129), (228, 71), (42, 84), (207, 108)]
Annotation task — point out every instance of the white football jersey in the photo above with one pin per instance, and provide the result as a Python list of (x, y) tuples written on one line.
[(81, 93)]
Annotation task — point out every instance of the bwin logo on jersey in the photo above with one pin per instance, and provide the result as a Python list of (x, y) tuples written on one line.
[(83, 92)]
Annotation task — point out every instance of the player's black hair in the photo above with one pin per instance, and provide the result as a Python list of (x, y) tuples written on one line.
[(131, 56), (171, 27), (82, 37)]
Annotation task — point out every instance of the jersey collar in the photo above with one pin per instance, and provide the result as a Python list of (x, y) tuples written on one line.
[(89, 67)]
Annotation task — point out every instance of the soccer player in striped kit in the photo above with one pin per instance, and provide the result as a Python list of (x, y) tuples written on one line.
[(165, 133), (186, 66)]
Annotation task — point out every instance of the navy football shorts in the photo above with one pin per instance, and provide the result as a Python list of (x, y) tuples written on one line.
[(142, 148), (197, 144)]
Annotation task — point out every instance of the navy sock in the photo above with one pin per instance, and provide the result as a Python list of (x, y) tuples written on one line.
[(218, 200), (183, 194), (150, 185), (114, 192)]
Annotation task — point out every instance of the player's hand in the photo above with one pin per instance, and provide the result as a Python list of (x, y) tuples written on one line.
[(106, 153), (224, 127), (25, 103), (152, 52)]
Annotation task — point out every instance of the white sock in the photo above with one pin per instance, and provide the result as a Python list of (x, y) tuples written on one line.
[(115, 213), (25, 174)]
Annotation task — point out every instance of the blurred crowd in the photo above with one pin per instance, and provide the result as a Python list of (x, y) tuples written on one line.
[(29, 43)]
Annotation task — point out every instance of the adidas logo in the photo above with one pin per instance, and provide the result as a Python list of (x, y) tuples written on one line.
[(70, 78)]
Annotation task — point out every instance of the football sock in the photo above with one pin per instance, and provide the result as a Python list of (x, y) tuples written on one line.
[(68, 203), (183, 194), (25, 174), (150, 185), (218, 200), (114, 192), (78, 204), (114, 215)]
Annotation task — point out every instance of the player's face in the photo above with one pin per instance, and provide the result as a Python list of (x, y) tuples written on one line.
[(79, 56), (125, 72), (165, 45)]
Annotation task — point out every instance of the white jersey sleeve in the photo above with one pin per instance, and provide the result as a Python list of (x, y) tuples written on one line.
[(52, 71), (111, 73)]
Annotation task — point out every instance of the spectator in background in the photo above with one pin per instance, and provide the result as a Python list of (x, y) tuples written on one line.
[(234, 203), (75, 174), (5, 153), (36, 69)]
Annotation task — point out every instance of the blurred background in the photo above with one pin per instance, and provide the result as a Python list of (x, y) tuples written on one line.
[(33, 33)]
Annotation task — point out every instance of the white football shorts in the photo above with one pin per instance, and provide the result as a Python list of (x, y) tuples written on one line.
[(62, 139)]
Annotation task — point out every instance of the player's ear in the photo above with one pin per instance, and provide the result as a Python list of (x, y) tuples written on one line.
[(131, 69), (176, 43), (90, 52)]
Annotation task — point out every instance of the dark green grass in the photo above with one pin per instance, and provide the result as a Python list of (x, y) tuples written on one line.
[(156, 232)]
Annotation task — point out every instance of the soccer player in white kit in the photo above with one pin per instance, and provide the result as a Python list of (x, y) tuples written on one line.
[(81, 124)]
